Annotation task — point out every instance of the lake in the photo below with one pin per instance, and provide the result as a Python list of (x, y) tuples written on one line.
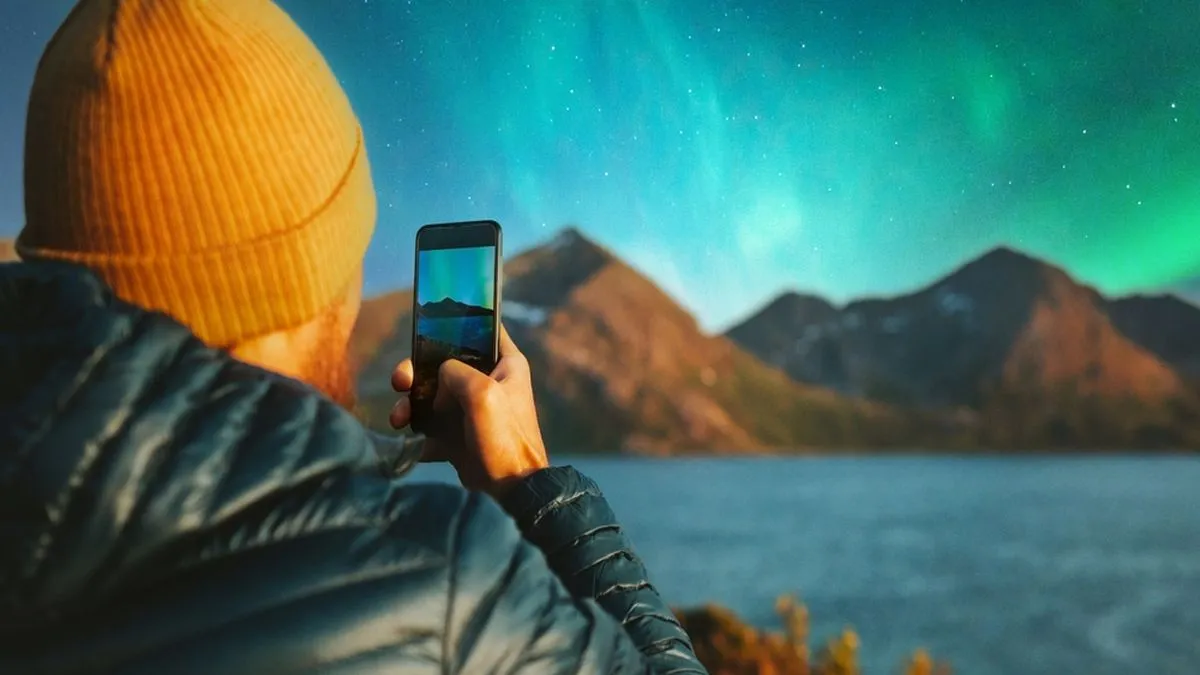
[(999, 565), (472, 332)]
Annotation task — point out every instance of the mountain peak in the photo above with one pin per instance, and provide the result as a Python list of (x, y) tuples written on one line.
[(545, 274), (1003, 264), (797, 301), (570, 240), (791, 308), (1008, 257), (772, 332), (449, 308), (568, 235)]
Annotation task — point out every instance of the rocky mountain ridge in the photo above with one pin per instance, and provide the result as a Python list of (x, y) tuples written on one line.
[(1044, 360), (448, 308), (618, 365), (1007, 352)]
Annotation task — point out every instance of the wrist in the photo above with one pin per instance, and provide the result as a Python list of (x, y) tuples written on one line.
[(503, 485)]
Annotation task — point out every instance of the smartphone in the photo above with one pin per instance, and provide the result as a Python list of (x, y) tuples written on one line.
[(456, 307)]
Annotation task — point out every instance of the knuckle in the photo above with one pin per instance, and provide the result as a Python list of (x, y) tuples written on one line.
[(484, 390)]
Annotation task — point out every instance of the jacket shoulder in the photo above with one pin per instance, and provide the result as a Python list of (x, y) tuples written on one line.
[(156, 489)]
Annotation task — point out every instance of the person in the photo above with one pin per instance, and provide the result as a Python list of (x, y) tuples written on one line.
[(183, 488)]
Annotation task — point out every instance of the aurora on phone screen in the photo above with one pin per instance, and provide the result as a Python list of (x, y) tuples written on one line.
[(456, 305)]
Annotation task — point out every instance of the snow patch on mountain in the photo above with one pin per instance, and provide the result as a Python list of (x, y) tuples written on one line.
[(525, 314), (809, 336), (951, 302)]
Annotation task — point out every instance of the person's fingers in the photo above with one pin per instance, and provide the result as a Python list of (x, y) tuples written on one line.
[(401, 413), (462, 384), (511, 369), (512, 362), (502, 371), (402, 376)]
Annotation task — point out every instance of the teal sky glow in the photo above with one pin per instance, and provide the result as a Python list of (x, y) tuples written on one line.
[(731, 150), (466, 275)]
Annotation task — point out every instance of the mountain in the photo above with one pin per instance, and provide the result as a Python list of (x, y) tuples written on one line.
[(772, 332), (8, 251), (379, 326), (447, 308), (618, 365), (1009, 337), (1165, 325)]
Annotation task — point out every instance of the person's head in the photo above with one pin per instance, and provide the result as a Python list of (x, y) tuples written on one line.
[(202, 159)]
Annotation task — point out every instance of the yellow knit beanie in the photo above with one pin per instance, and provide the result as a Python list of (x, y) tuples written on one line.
[(201, 158)]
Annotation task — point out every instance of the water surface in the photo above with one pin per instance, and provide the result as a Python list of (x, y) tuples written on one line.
[(1000, 565)]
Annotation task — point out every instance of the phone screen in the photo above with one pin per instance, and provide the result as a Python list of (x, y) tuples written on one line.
[(455, 308)]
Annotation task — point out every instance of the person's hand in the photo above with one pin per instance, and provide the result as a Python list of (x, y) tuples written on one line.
[(495, 440)]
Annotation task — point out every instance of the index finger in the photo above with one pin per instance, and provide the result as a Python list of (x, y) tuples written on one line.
[(402, 376)]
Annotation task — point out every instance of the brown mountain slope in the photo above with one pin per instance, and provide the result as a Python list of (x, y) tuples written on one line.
[(618, 365), (1007, 335), (8, 252), (378, 323), (1165, 325)]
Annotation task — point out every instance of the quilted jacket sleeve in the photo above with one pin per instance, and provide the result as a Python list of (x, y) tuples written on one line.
[(583, 604)]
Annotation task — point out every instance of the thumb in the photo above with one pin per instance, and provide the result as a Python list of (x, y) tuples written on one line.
[(461, 384)]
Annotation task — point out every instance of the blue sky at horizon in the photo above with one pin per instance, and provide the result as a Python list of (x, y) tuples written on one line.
[(466, 275), (732, 150)]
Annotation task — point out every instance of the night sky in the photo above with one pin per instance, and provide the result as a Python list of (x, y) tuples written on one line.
[(734, 149), (467, 275)]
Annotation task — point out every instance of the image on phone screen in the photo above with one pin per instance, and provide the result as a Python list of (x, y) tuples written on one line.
[(455, 307)]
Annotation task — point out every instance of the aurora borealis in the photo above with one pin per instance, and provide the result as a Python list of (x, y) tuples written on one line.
[(731, 150), (466, 275)]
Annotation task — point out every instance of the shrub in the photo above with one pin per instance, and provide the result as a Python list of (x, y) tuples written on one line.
[(728, 646)]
